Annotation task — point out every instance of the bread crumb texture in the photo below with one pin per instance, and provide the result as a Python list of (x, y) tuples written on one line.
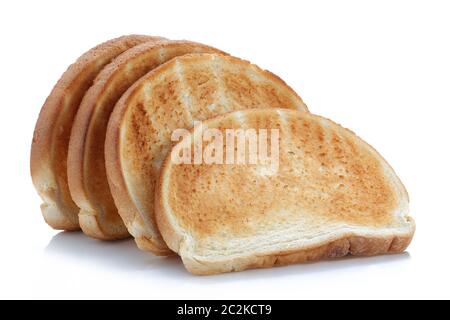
[(326, 177), (184, 90)]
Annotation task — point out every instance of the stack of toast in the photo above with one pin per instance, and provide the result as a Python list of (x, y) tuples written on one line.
[(104, 159)]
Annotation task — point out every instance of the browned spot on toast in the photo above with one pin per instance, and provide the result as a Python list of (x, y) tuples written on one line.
[(324, 176)]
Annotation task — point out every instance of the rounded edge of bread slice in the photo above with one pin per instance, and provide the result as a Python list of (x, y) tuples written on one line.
[(52, 131), (141, 224), (87, 178), (338, 243)]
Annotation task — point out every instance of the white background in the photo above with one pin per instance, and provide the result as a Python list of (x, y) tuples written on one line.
[(381, 68)]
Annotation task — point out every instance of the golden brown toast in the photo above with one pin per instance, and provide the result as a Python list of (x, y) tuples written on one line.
[(331, 195), (51, 135), (86, 161), (174, 95)]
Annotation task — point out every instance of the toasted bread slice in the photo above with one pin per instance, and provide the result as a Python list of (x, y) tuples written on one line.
[(332, 195), (86, 161), (52, 131), (174, 95)]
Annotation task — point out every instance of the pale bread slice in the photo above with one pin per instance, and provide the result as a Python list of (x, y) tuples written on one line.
[(51, 135), (88, 184), (332, 195), (187, 88)]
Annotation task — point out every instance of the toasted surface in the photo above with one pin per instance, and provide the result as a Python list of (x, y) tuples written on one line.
[(86, 161), (174, 95), (52, 132), (332, 195)]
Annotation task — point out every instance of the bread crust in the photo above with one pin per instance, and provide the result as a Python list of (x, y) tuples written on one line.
[(353, 245), (116, 180), (52, 131), (342, 244), (98, 215)]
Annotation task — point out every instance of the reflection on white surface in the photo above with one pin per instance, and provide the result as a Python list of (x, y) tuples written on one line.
[(124, 255)]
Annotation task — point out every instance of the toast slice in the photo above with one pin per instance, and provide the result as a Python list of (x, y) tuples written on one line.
[(51, 135), (174, 95), (331, 195), (88, 184)]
